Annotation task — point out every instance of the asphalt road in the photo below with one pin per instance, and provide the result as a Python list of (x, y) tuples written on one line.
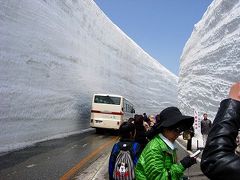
[(55, 159), (82, 155)]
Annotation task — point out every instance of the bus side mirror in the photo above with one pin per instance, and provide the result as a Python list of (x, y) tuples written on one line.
[(133, 110)]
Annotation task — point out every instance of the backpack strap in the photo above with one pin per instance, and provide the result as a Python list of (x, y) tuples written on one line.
[(135, 152)]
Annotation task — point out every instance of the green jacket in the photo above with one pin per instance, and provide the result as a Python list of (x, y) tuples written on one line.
[(158, 162)]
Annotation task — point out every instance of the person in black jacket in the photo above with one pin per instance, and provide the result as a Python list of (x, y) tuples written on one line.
[(206, 125), (140, 136), (219, 160), (190, 133)]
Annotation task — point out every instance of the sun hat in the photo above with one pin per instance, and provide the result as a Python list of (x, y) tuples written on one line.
[(172, 117)]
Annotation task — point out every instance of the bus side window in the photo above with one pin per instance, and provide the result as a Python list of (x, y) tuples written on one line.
[(124, 105), (133, 110)]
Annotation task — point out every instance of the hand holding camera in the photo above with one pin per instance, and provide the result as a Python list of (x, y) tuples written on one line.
[(188, 161)]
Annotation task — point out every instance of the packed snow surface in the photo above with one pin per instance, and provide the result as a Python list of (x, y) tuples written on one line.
[(210, 61), (54, 55)]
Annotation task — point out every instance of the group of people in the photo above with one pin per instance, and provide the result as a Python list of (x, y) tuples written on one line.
[(143, 153), (153, 152)]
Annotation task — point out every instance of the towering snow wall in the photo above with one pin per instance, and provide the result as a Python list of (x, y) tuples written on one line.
[(210, 61), (54, 55)]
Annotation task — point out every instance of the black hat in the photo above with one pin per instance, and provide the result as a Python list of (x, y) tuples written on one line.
[(172, 117)]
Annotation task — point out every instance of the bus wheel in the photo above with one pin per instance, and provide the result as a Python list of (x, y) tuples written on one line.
[(98, 130)]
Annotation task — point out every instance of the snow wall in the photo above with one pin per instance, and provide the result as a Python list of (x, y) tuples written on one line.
[(54, 55), (210, 61)]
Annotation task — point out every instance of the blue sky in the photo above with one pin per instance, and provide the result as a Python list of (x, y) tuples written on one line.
[(160, 27)]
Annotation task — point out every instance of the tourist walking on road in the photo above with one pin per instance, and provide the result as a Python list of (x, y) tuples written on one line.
[(206, 125), (159, 158), (219, 160)]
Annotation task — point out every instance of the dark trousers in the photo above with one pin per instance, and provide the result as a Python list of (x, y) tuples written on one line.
[(189, 144)]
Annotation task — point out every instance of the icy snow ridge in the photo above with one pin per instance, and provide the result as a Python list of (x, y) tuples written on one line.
[(210, 61), (54, 55)]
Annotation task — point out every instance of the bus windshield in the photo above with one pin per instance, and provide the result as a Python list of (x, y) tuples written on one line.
[(107, 100)]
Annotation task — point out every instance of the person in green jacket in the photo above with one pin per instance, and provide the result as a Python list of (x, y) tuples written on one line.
[(158, 160)]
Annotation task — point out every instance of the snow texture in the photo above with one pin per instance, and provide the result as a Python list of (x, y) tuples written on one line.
[(210, 61), (54, 55)]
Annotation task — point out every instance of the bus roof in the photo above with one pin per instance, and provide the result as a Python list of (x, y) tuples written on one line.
[(114, 95)]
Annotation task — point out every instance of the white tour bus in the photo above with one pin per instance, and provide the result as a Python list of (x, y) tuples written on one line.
[(109, 111)]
